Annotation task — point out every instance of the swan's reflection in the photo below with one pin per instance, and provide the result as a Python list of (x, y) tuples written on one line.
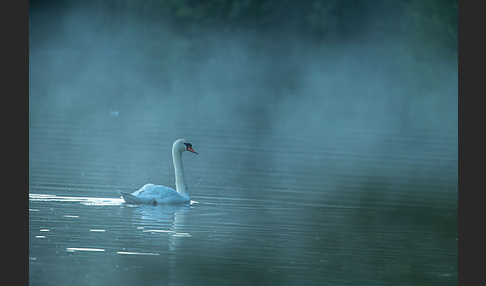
[(169, 219), (160, 212)]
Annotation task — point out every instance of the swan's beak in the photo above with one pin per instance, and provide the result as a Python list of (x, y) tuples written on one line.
[(192, 150)]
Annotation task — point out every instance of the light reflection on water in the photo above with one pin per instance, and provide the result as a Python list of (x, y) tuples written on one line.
[(185, 240), (83, 200)]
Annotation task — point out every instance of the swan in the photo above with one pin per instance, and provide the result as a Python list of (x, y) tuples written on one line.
[(157, 194)]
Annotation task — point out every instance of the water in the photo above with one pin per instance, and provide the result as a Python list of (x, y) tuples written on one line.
[(269, 209)]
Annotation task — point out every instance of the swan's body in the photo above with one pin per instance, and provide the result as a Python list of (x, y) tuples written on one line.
[(157, 194)]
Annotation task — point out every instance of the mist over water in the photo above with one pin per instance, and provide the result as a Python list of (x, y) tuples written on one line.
[(320, 162)]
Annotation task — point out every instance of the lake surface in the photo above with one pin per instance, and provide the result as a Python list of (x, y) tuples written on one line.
[(363, 207)]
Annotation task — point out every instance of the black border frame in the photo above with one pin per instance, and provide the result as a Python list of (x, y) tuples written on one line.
[(16, 131), (470, 180), (470, 141)]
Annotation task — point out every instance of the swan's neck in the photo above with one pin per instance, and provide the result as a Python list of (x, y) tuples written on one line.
[(179, 172)]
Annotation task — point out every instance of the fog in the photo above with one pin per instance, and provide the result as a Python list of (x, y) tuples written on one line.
[(87, 60)]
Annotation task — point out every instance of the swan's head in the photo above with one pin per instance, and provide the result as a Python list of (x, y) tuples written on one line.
[(181, 145)]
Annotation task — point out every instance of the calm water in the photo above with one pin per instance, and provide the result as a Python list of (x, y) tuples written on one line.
[(269, 209)]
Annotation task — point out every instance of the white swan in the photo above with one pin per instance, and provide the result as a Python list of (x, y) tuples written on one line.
[(157, 194)]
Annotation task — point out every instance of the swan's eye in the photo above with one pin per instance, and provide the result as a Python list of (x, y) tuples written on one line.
[(189, 148)]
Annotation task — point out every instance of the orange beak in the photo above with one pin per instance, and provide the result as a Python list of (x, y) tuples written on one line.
[(191, 150)]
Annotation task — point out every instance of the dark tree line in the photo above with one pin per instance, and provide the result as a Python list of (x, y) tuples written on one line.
[(432, 22)]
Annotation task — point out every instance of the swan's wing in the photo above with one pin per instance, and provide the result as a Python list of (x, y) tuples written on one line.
[(155, 191), (163, 195), (162, 192), (131, 199), (145, 190)]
